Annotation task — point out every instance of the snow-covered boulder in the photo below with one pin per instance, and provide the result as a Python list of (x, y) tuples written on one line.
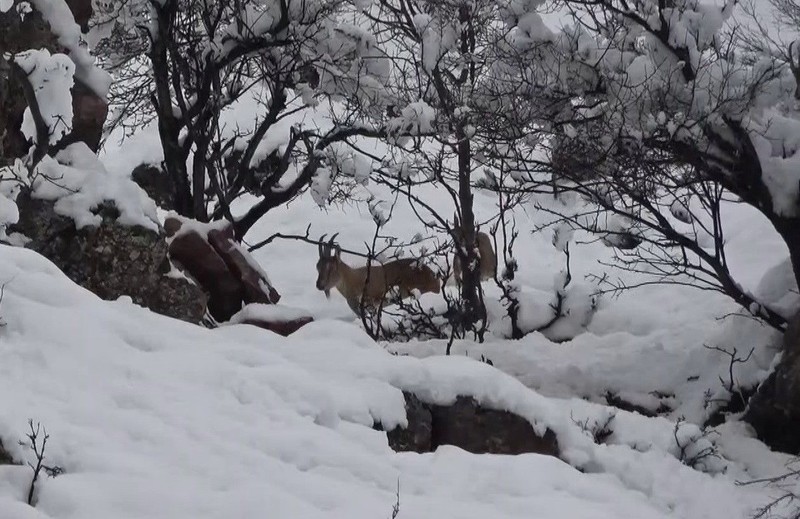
[(470, 426), (225, 270), (110, 259)]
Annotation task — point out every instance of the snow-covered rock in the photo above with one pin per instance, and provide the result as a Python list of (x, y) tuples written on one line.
[(110, 259)]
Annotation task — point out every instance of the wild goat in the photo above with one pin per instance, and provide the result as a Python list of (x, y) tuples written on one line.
[(487, 260), (373, 283)]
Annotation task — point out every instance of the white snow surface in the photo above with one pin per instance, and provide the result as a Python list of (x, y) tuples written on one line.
[(260, 311), (58, 15), (51, 78), (155, 418), (152, 417), (79, 183)]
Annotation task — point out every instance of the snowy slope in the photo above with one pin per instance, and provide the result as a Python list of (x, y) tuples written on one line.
[(649, 339), (155, 418)]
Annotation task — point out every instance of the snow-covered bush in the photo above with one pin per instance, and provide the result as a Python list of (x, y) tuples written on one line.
[(669, 119)]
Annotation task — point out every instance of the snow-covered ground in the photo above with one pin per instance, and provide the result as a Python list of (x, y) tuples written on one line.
[(155, 418), (644, 341)]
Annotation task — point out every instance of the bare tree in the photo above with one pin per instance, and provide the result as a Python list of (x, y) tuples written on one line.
[(658, 126), (445, 78), (188, 64)]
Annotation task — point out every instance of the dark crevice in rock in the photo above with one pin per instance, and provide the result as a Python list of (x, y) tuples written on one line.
[(283, 327), (736, 404)]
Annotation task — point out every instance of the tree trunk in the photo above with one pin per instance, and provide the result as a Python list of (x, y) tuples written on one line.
[(199, 212), (474, 309), (168, 125), (789, 229), (774, 412)]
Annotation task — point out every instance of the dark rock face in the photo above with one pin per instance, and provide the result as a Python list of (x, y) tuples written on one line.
[(110, 260), (467, 425), (281, 327), (774, 411), (223, 269), (418, 436), (255, 287), (156, 184), (476, 429), (197, 257), (5, 457), (89, 114)]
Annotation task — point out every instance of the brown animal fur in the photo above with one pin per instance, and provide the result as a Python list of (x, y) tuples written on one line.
[(406, 275), (487, 260)]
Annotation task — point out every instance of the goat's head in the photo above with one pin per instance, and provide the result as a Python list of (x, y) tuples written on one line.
[(328, 264)]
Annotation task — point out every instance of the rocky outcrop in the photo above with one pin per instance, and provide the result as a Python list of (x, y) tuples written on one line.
[(468, 425), (774, 411), (194, 254), (18, 34), (256, 287), (275, 318), (417, 436), (226, 271), (284, 327), (110, 260)]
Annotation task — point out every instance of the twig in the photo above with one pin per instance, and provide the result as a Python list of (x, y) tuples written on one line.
[(38, 450), (396, 506), (299, 237), (731, 386)]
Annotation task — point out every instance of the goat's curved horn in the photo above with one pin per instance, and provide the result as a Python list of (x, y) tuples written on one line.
[(320, 244), (333, 239)]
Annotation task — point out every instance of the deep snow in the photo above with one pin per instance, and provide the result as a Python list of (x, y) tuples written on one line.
[(152, 417)]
